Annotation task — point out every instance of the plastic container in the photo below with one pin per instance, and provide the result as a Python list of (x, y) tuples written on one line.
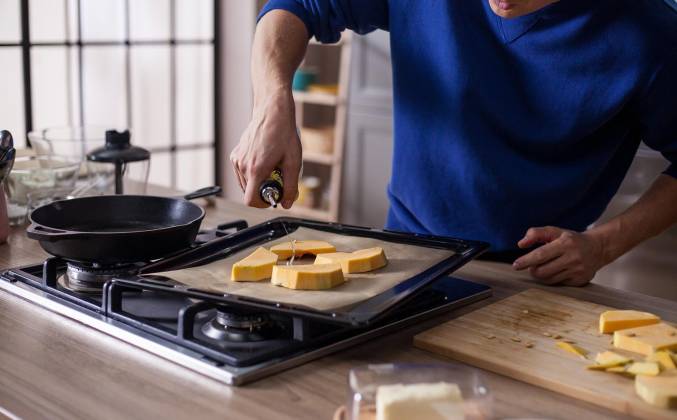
[(364, 383)]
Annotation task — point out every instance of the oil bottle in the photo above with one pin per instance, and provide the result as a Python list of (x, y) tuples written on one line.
[(271, 189)]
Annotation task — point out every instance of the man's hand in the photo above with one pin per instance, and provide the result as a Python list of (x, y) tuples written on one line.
[(269, 141), (567, 257)]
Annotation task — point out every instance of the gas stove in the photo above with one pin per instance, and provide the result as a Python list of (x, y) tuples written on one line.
[(228, 340)]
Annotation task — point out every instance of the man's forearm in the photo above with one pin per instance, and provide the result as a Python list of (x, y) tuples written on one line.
[(653, 213), (279, 46)]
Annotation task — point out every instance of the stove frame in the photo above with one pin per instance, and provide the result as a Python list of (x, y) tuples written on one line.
[(310, 337), (360, 314)]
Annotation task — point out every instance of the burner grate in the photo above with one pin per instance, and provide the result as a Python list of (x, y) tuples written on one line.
[(91, 279), (234, 324)]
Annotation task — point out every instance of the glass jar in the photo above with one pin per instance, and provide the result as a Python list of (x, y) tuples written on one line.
[(74, 142), (37, 173)]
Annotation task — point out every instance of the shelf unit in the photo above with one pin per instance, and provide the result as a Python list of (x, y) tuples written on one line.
[(338, 102), (316, 98)]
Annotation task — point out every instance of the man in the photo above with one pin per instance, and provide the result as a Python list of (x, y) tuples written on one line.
[(509, 115)]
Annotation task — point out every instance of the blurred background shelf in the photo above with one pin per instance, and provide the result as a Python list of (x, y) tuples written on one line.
[(314, 41), (316, 98), (307, 213), (321, 96), (322, 158)]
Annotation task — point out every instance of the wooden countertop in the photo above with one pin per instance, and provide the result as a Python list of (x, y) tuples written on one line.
[(54, 367)]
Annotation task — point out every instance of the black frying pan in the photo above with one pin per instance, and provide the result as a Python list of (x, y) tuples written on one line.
[(113, 229)]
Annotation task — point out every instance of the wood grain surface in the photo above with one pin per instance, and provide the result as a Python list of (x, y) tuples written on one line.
[(496, 336), (53, 367)]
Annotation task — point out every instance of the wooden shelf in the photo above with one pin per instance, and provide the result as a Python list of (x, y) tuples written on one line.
[(322, 158), (316, 98), (328, 166)]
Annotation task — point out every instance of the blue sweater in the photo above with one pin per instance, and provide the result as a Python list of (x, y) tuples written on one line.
[(504, 124)]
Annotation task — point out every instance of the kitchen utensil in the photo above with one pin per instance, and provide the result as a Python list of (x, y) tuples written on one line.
[(363, 384), (4, 220), (118, 228), (7, 154), (270, 190), (496, 337), (33, 173), (6, 164), (119, 152), (6, 143), (414, 262)]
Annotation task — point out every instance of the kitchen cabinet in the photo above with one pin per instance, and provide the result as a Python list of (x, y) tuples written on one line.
[(368, 148), (367, 170)]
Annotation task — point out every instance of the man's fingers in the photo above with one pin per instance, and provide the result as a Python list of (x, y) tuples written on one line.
[(238, 177), (561, 277), (251, 194), (539, 256), (290, 174), (551, 268), (576, 281), (539, 235)]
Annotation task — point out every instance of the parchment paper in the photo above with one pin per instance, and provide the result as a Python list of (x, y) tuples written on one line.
[(404, 262)]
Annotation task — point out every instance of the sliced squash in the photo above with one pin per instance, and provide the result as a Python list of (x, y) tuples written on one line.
[(256, 266), (663, 358), (610, 321), (609, 359), (647, 339), (359, 261), (573, 349), (644, 368), (308, 276), (659, 391)]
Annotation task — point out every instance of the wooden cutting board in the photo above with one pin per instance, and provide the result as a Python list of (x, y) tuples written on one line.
[(486, 338)]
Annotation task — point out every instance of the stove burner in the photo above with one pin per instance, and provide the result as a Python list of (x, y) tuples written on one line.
[(90, 278), (239, 325)]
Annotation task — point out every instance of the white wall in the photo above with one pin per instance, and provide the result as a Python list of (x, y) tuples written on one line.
[(237, 33)]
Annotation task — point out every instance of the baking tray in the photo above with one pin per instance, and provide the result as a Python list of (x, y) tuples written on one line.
[(427, 259)]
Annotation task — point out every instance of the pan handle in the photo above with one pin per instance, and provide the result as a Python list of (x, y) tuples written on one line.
[(202, 192), (42, 233)]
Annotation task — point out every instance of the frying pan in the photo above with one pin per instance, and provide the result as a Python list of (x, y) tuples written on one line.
[(117, 229)]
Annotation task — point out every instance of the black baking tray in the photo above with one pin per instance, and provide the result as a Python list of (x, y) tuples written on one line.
[(359, 314)]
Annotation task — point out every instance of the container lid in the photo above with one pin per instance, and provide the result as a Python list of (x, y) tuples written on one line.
[(118, 149)]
